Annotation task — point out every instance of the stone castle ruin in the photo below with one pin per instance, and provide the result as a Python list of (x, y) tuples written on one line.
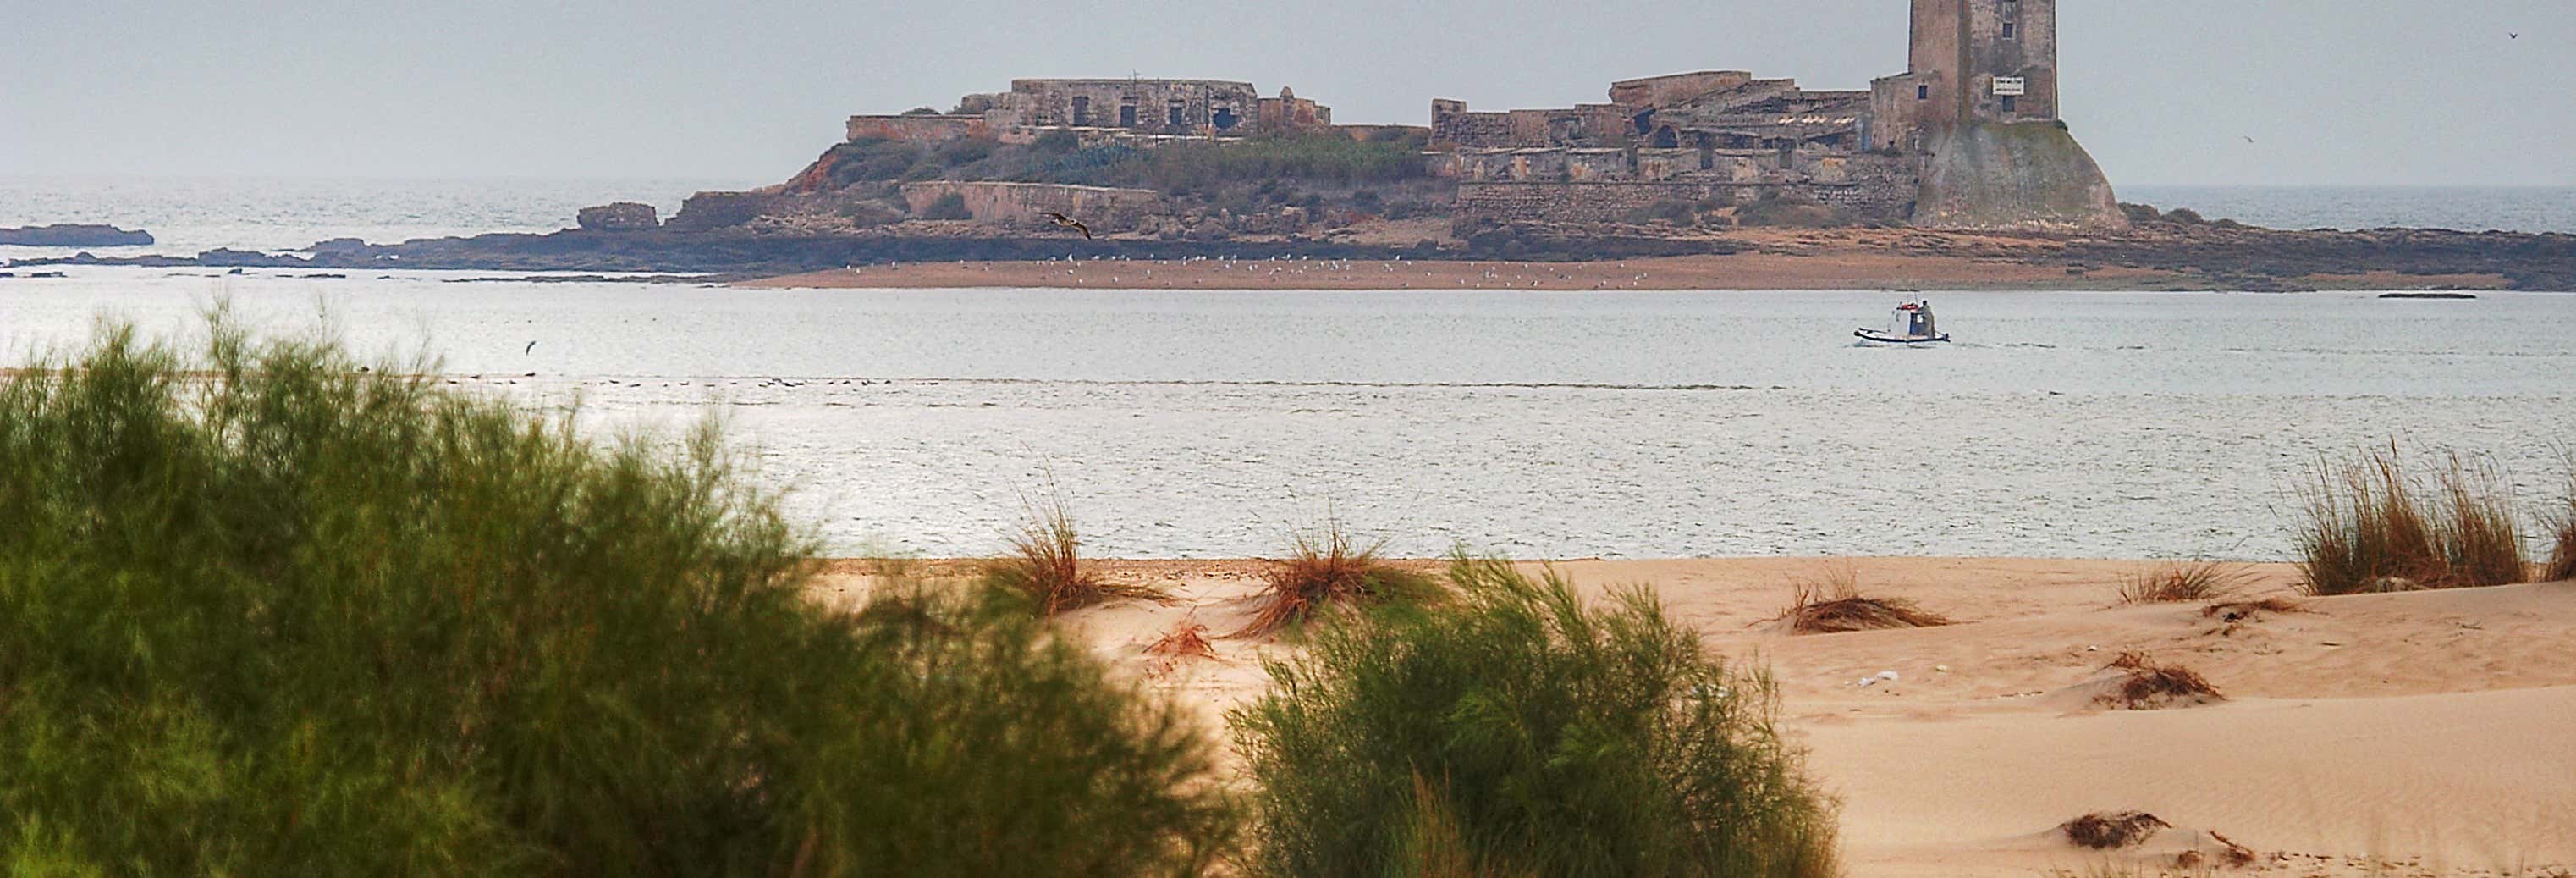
[(1121, 110), (1967, 137)]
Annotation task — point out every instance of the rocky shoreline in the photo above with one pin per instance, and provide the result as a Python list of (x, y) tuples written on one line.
[(74, 235), (2191, 255)]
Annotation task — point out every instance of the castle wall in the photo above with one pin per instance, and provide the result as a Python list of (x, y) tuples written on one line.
[(918, 129), (1867, 188), (1019, 204), (1232, 108), (1663, 91)]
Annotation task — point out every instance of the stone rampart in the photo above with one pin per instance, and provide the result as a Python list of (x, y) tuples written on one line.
[(1102, 208)]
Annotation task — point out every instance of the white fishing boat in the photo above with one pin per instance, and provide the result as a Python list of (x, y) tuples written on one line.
[(1912, 324)]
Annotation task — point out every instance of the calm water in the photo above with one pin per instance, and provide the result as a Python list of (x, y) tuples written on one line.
[(187, 216), (1539, 424)]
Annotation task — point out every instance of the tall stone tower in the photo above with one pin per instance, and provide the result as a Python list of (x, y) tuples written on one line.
[(1985, 61), (1978, 105)]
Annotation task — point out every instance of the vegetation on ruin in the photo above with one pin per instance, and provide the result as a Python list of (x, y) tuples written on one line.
[(263, 611), (2371, 525), (951, 206), (1382, 177), (1518, 731)]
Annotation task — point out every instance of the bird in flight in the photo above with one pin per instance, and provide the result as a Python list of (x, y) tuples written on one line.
[(531, 346), (2249, 139), (1068, 222)]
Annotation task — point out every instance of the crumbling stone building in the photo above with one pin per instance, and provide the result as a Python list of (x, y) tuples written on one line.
[(1968, 136), (1115, 109)]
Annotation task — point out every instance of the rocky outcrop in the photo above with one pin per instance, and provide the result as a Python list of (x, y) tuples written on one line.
[(723, 210), (623, 216), (2014, 176), (75, 236)]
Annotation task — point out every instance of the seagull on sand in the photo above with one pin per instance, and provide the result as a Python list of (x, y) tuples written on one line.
[(1067, 222)]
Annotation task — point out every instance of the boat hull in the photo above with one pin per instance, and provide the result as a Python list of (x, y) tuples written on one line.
[(1884, 338)]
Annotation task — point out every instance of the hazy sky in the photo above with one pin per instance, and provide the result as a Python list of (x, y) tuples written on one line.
[(2162, 91)]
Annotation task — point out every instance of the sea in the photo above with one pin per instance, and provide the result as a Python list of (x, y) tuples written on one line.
[(1208, 424)]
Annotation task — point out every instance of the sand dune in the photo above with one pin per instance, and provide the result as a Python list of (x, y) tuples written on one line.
[(2434, 730)]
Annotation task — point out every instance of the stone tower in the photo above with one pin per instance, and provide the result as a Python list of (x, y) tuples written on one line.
[(1985, 61), (1978, 104)]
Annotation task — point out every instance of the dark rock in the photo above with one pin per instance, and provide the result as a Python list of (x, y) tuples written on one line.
[(718, 210), (67, 235), (623, 216), (338, 246)]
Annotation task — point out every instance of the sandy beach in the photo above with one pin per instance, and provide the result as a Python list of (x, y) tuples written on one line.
[(1745, 271), (2423, 733)]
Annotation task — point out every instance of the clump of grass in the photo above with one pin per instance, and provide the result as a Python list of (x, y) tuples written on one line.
[(2181, 581), (1184, 642), (1323, 571), (2110, 830), (2562, 554), (2372, 528), (1833, 604), (2146, 685), (1045, 567), (2238, 611), (1514, 730), (263, 611)]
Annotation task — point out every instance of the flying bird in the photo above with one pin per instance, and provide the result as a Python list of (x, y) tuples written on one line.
[(531, 346), (2512, 36), (2249, 140), (1068, 222)]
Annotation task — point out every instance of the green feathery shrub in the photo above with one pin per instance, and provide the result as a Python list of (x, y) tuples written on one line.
[(265, 612), (1516, 731)]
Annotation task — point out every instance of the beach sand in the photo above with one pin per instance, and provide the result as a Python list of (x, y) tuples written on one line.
[(1744, 271), (2435, 731)]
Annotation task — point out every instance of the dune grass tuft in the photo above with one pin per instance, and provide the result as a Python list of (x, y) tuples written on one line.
[(1323, 571), (1514, 730), (1832, 604), (2185, 581), (2109, 830), (263, 611), (1045, 568), (2371, 527), (2246, 609), (2562, 554), (2147, 685)]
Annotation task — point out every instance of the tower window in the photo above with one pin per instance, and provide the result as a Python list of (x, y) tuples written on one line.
[(2008, 30), (2010, 103), (1922, 92)]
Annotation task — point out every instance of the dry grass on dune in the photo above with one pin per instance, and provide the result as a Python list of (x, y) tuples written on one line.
[(2107, 830), (2562, 556), (2184, 581), (1045, 567), (1833, 604), (2372, 527), (2146, 685), (1324, 570)]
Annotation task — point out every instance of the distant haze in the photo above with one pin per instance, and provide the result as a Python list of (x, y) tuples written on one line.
[(2331, 92)]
